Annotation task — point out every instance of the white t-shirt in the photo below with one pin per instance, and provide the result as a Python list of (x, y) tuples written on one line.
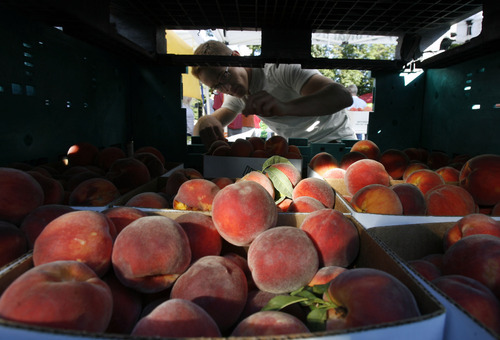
[(357, 103), (284, 82)]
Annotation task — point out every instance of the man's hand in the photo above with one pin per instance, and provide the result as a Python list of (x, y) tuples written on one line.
[(209, 129), (264, 105)]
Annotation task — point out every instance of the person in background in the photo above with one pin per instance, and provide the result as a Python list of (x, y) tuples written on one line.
[(186, 104), (357, 103), (292, 101)]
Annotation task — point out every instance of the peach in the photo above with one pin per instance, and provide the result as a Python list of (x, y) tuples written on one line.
[(204, 239), (223, 150), (336, 173), (94, 192), (38, 218), (265, 323), (276, 145), (128, 174), (480, 176), (425, 179), (196, 194), (13, 243), (257, 142), (289, 170), (475, 256), (326, 274), (155, 167), (151, 149), (416, 154), (471, 224), (294, 149), (241, 148), (395, 162), (390, 300), (262, 179), (412, 167), (20, 193), (435, 258), (53, 190), (258, 299), (241, 262), (217, 285), (61, 294), (449, 174), (151, 253), (368, 148), (243, 210), (70, 183), (177, 318), (438, 159), (81, 235), (275, 264), (449, 200), (284, 205), (365, 172), (127, 306), (412, 199), (425, 268), (351, 157), (377, 199), (148, 200), (322, 162), (215, 145), (221, 182), (305, 204), (176, 179), (82, 153), (474, 297), (108, 156), (495, 211), (259, 154), (335, 237), (122, 216), (315, 188)]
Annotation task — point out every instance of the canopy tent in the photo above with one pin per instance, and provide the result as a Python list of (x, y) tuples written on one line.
[(176, 45)]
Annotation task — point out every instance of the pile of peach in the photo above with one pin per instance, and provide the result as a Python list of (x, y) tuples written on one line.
[(467, 270), (414, 181), (127, 272), (255, 147)]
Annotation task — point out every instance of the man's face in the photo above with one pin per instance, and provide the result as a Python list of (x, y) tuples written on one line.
[(229, 80)]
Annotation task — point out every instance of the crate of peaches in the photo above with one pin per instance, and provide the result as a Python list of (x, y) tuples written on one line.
[(411, 185)]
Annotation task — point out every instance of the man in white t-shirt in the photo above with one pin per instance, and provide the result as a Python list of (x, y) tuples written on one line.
[(292, 101), (357, 103)]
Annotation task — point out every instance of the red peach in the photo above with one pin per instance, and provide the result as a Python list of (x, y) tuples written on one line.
[(449, 200), (108, 155), (425, 179), (61, 294), (257, 142), (242, 262), (94, 192), (322, 162), (215, 145), (395, 162), (480, 176), (82, 153), (471, 224), (495, 211), (122, 216), (377, 199), (221, 182), (412, 199), (335, 237), (148, 200), (196, 194), (241, 148), (151, 149), (368, 148), (351, 157), (289, 170), (155, 167), (53, 190), (276, 145), (315, 188), (436, 259), (416, 154), (262, 179), (260, 154), (13, 243), (412, 167), (267, 323), (337, 173), (176, 179), (224, 150), (305, 204), (365, 172), (449, 174), (425, 268), (74, 180), (326, 274), (284, 205), (128, 174), (438, 159)]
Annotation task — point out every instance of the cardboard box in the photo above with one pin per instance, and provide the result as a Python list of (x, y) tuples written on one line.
[(411, 242), (429, 325)]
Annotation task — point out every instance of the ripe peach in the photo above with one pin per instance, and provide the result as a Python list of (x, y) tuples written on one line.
[(425, 268), (276, 145), (365, 172), (265, 323), (495, 211), (449, 200), (148, 200), (74, 180), (155, 167), (13, 243), (177, 318), (425, 179), (128, 174), (284, 205), (262, 179), (224, 150), (289, 170), (449, 174), (395, 162), (259, 154), (305, 204), (438, 159), (368, 148), (392, 300), (258, 299), (176, 179), (20, 193), (94, 192), (82, 153), (81, 235), (217, 285), (480, 176), (474, 297), (412, 199), (222, 181), (322, 162), (241, 148), (241, 262), (243, 210), (108, 155), (38, 218), (377, 199), (470, 224), (151, 149), (478, 257), (275, 264), (416, 154), (412, 167), (351, 157), (123, 216), (294, 149), (436, 259), (151, 253), (196, 194), (204, 239), (60, 294), (215, 145), (257, 142), (336, 173), (53, 190), (315, 188), (335, 237), (326, 274)]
